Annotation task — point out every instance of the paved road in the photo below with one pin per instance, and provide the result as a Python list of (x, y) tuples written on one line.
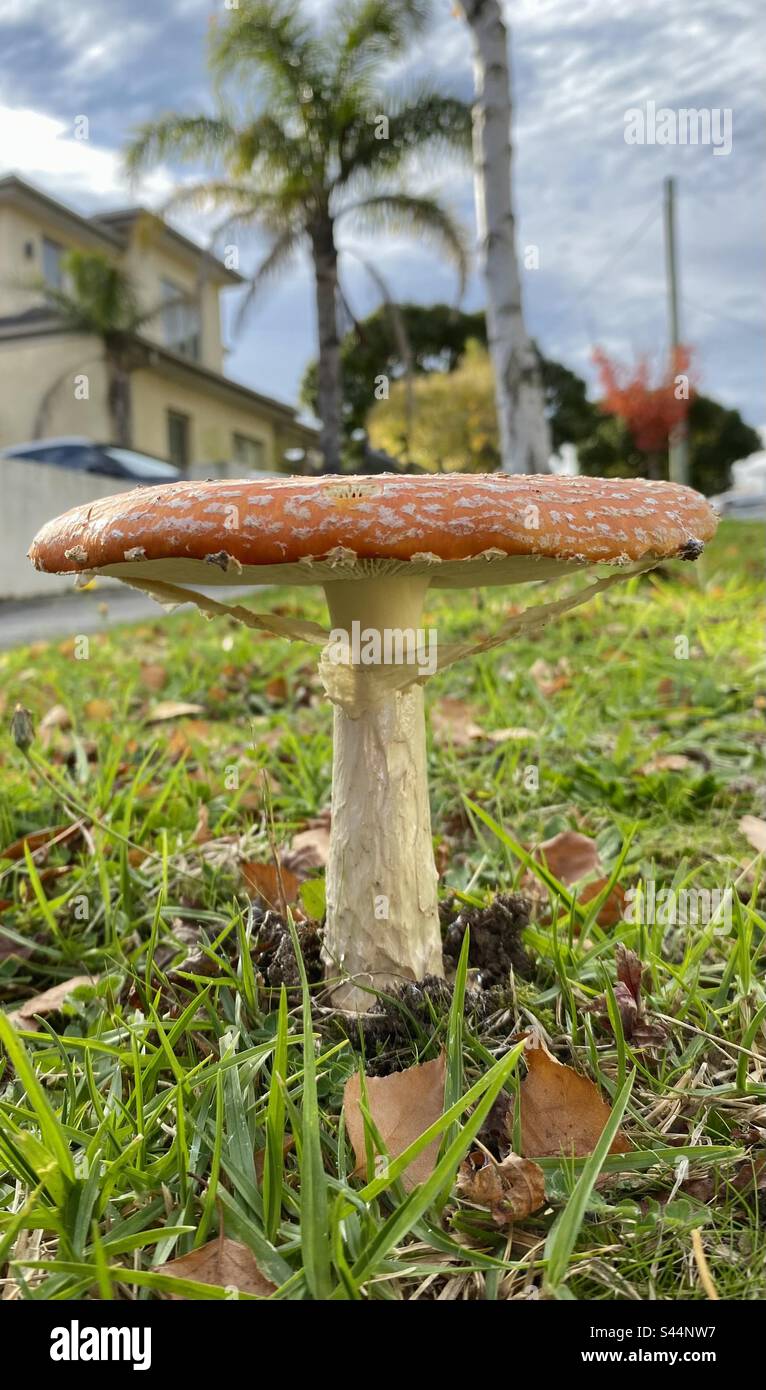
[(81, 611)]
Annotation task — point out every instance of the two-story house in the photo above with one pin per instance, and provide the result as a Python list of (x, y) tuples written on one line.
[(184, 408)]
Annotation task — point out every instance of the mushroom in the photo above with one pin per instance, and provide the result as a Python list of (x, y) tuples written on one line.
[(377, 545)]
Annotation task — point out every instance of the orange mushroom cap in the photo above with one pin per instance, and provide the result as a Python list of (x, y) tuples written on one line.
[(445, 517)]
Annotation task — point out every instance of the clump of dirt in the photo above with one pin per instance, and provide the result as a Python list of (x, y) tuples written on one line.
[(276, 956), (416, 1011), (495, 947)]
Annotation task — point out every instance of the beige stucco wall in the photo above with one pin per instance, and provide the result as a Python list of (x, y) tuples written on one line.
[(149, 263), (30, 366), (212, 422), (17, 272)]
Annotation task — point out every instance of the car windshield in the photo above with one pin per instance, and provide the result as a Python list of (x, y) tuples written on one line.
[(141, 465)]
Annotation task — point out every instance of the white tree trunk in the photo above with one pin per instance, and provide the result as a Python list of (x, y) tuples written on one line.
[(524, 436)]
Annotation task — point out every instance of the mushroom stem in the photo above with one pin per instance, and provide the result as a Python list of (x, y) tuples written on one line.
[(382, 910)]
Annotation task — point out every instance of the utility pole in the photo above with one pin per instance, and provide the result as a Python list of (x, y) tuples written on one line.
[(679, 441)]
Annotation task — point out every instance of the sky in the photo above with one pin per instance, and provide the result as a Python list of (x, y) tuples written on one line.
[(589, 201)]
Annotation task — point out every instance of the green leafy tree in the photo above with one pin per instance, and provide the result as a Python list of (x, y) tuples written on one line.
[(718, 437), (436, 336), (98, 300), (450, 425), (315, 144), (383, 347)]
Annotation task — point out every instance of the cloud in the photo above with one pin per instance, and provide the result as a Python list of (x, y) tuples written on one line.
[(588, 201), (47, 151)]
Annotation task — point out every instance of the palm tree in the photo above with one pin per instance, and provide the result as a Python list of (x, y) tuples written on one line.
[(98, 299), (323, 147), (524, 435)]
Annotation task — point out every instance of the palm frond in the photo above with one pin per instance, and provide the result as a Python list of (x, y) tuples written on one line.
[(367, 31), (98, 296), (274, 262), (179, 137), (405, 213), (269, 35), (427, 121)]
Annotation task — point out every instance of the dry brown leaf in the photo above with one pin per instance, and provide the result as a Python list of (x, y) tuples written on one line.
[(276, 690), (402, 1105), (183, 736), (562, 1112), (202, 832), (612, 908), (262, 881), (666, 762), (58, 717), (310, 848), (98, 710), (38, 839), (50, 1001), (172, 709), (452, 722), (754, 831), (222, 1262), (153, 676), (569, 856), (550, 679), (511, 1190)]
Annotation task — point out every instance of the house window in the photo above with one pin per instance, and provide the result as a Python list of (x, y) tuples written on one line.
[(178, 438), (249, 454), (53, 273), (181, 325)]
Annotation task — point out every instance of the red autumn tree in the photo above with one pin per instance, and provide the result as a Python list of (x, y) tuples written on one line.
[(651, 405)]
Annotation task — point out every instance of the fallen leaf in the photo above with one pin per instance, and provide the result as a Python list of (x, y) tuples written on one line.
[(569, 856), (263, 881), (153, 676), (39, 839), (276, 690), (202, 831), (8, 947), (550, 679), (172, 709), (98, 710), (666, 762), (452, 722), (754, 831), (666, 689), (58, 717), (402, 1105), (612, 909), (222, 1262), (183, 737), (562, 1112), (310, 848), (288, 1144), (50, 1001), (511, 1190)]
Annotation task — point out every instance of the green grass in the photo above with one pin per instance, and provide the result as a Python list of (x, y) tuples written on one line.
[(130, 1124)]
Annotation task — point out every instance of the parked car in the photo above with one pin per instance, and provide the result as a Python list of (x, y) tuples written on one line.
[(744, 506), (85, 456)]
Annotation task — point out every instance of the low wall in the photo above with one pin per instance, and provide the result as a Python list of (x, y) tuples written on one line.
[(30, 494)]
